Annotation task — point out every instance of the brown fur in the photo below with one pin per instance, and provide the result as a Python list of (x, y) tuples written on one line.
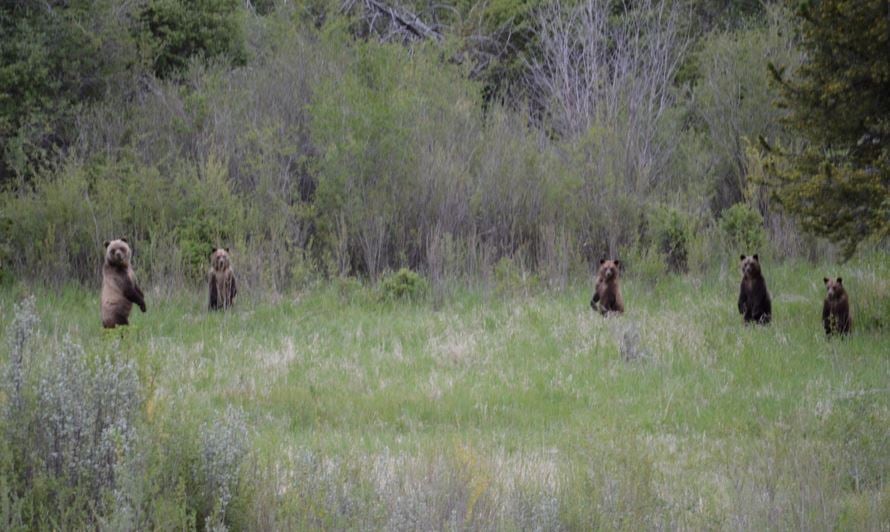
[(223, 288), (119, 288), (754, 300), (836, 316), (607, 298)]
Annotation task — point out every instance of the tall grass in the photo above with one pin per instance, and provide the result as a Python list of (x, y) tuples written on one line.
[(487, 408)]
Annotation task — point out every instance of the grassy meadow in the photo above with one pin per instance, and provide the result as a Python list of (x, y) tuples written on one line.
[(495, 407)]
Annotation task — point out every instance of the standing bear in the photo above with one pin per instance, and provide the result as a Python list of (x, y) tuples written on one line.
[(754, 300), (222, 280), (836, 308), (607, 297), (119, 288)]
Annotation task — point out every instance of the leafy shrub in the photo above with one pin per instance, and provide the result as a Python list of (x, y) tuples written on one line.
[(669, 232), (174, 31), (195, 245), (217, 216), (404, 284), (742, 226)]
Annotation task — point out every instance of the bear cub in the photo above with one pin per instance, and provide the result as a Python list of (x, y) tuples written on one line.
[(222, 280), (607, 297), (754, 300), (119, 288), (836, 309)]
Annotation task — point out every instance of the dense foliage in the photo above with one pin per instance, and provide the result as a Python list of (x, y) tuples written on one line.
[(55, 58), (324, 138), (838, 181), (172, 32)]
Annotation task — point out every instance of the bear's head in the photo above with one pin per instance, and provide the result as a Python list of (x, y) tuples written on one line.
[(835, 287), (609, 269), (751, 266), (117, 252), (219, 259)]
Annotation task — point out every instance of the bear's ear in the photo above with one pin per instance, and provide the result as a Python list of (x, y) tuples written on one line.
[(618, 263), (227, 249), (839, 280), (756, 257), (212, 251), (602, 261), (123, 239), (825, 280), (741, 257), (106, 244)]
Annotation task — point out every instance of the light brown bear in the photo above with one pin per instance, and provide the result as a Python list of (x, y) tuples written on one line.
[(223, 288), (607, 298), (836, 316), (119, 288)]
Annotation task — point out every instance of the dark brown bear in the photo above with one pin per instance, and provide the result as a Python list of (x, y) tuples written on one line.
[(222, 280), (754, 300), (836, 309), (607, 297), (119, 288)]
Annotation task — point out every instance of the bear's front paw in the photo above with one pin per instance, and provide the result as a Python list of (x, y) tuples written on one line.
[(142, 307)]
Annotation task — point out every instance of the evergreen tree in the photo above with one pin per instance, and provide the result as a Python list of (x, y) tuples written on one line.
[(838, 181)]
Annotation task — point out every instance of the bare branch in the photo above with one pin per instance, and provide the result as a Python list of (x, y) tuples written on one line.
[(404, 19)]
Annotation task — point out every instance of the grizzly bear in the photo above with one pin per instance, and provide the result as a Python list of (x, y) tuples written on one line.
[(222, 280), (119, 288), (754, 300), (836, 309), (607, 297)]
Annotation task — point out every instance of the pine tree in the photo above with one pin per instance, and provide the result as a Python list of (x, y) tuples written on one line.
[(838, 180)]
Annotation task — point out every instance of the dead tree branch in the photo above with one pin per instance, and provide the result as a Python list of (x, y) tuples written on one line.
[(406, 20)]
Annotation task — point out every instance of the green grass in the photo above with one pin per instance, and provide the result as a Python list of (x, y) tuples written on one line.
[(520, 411)]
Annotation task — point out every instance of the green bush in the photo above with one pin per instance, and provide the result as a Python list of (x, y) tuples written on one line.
[(171, 32), (195, 244), (669, 233), (403, 284), (743, 228)]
